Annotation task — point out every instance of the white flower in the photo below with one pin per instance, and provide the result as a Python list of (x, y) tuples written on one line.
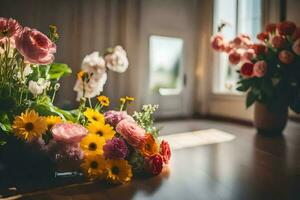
[(92, 88), (93, 63), (27, 70), (38, 87), (117, 60)]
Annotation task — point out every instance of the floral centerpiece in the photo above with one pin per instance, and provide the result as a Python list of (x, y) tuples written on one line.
[(101, 142), (269, 71)]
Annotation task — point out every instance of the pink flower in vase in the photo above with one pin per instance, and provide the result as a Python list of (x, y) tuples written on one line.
[(234, 57), (132, 133), (154, 164), (248, 55), (260, 68), (113, 117), (278, 41), (286, 57), (9, 27), (165, 151), (68, 133), (296, 47), (217, 42), (36, 47)]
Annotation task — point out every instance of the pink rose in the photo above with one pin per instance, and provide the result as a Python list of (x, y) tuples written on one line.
[(154, 164), (278, 41), (260, 68), (237, 41), (165, 151), (132, 133), (248, 55), (36, 47), (234, 57), (9, 27), (69, 133), (286, 57), (296, 47), (217, 42)]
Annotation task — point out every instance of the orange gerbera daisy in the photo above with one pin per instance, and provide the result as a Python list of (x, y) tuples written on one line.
[(150, 147)]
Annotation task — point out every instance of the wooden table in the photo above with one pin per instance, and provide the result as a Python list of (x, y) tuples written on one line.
[(249, 167)]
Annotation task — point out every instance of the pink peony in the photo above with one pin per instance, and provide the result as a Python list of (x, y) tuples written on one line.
[(132, 133), (154, 164), (9, 27), (260, 68), (36, 47), (296, 47), (114, 117), (69, 133), (234, 57), (286, 57), (248, 55), (278, 41), (165, 151), (217, 42)]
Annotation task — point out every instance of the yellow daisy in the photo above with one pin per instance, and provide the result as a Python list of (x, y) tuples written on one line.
[(103, 130), (93, 166), (52, 120), (104, 100), (119, 171), (129, 99), (29, 125), (92, 144), (94, 116), (122, 100)]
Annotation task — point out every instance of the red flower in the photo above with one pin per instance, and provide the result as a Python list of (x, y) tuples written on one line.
[(165, 151), (247, 69), (263, 36), (234, 57), (154, 164), (286, 57), (296, 34), (217, 42), (259, 49), (278, 41), (271, 28), (286, 28)]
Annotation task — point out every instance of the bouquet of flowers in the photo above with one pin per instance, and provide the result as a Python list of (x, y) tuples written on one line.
[(102, 143), (269, 71)]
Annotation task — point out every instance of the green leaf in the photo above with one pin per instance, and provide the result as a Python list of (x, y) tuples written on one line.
[(58, 70), (2, 142), (251, 98), (5, 124)]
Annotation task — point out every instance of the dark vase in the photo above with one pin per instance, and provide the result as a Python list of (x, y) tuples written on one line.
[(269, 123)]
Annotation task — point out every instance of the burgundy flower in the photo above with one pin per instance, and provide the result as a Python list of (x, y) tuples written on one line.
[(259, 49), (271, 28), (263, 36), (286, 28), (296, 34), (247, 69), (286, 57), (115, 148), (165, 151), (154, 164), (278, 41)]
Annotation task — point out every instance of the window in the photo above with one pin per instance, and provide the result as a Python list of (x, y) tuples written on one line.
[(242, 16), (166, 65)]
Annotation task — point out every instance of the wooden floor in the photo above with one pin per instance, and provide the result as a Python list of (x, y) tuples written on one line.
[(250, 167)]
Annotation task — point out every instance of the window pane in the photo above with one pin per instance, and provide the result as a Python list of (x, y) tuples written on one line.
[(165, 65)]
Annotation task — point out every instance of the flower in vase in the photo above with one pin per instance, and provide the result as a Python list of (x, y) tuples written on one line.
[(296, 47), (94, 116), (119, 171), (234, 57), (37, 87), (35, 46), (165, 151), (296, 34), (248, 55), (271, 28), (68, 132), (9, 27), (154, 164), (29, 125), (149, 147), (92, 144), (217, 42), (260, 68), (132, 133), (93, 63), (94, 166), (263, 36), (286, 28), (115, 148), (247, 69), (52, 120), (113, 117), (259, 49), (286, 57), (278, 41), (103, 130), (103, 100), (117, 60)]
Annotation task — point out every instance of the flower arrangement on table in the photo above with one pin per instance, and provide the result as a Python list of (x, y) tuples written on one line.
[(269, 71), (101, 142)]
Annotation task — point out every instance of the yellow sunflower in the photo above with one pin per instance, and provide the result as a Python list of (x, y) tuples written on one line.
[(119, 171), (52, 120), (103, 130), (29, 125), (104, 100), (94, 116), (94, 166), (92, 144)]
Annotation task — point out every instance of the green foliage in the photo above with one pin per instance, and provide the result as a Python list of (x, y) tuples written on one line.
[(136, 160), (59, 70), (145, 119), (5, 124)]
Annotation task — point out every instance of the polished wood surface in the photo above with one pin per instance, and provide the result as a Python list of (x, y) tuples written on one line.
[(249, 167)]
